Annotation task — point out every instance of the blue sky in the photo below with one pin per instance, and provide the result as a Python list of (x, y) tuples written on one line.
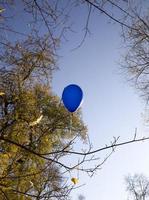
[(110, 108)]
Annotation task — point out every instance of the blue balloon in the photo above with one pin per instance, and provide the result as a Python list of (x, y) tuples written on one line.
[(72, 97)]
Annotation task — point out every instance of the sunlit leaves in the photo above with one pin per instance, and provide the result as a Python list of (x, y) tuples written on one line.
[(21, 169)]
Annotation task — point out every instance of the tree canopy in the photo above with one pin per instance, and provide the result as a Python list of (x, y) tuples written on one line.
[(137, 186), (33, 124)]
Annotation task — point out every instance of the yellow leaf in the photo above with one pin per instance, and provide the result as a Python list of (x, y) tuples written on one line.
[(37, 121), (2, 93), (14, 148), (2, 10), (5, 156), (75, 180)]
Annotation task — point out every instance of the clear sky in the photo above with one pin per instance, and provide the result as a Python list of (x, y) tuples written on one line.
[(110, 108)]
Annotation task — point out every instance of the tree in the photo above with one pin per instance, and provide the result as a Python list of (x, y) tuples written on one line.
[(29, 169), (33, 125), (138, 186), (55, 17), (136, 60)]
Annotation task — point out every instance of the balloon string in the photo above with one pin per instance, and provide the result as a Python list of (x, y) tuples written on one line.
[(70, 131), (70, 124), (78, 172)]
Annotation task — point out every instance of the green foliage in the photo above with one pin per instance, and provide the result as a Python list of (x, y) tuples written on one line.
[(23, 170)]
